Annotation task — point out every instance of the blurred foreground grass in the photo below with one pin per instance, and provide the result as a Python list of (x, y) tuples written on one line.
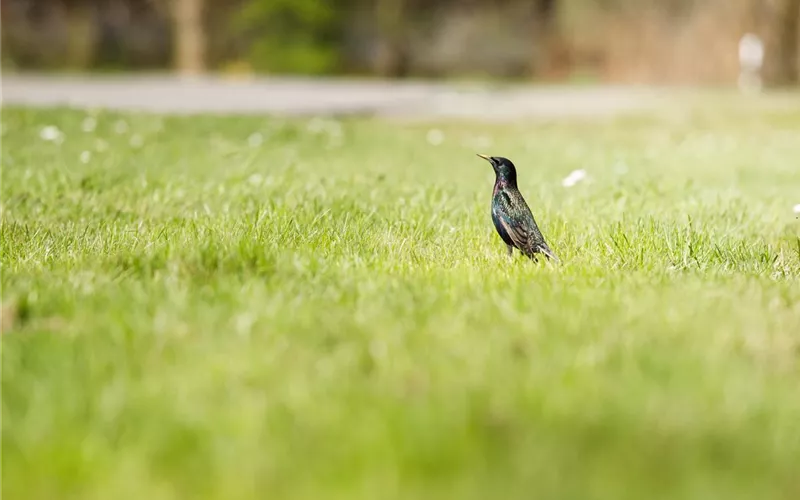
[(228, 308)]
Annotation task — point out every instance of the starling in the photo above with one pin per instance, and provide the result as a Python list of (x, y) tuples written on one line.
[(511, 216)]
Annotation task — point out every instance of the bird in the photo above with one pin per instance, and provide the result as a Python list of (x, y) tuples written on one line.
[(511, 215)]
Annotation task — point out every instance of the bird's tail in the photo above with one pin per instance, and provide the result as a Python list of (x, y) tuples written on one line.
[(548, 253)]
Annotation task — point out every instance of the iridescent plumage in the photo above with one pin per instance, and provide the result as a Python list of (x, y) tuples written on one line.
[(511, 216)]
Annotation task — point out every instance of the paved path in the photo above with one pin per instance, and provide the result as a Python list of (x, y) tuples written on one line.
[(296, 96)]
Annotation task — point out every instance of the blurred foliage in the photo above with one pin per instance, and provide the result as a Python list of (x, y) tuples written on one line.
[(643, 41), (297, 36)]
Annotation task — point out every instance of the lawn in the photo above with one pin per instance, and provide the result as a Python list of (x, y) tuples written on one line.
[(240, 307)]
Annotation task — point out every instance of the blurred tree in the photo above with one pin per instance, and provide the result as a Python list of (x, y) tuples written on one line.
[(788, 41), (298, 36), (82, 34), (778, 24), (189, 36), (638, 40), (549, 53), (393, 56)]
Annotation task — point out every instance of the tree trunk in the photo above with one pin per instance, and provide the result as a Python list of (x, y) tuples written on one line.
[(189, 36), (788, 41), (392, 58), (82, 37), (550, 54), (782, 38)]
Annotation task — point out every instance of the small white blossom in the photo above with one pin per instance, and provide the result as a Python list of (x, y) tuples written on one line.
[(86, 156), (255, 140), (796, 208), (315, 125), (89, 124), (121, 127), (51, 133), (435, 137), (573, 178), (334, 128)]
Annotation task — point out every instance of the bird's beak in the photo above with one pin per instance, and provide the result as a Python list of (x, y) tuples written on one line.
[(487, 158)]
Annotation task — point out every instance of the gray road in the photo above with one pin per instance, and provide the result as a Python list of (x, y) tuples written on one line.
[(295, 96)]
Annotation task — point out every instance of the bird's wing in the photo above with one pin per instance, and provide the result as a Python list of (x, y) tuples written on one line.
[(517, 230), (525, 237), (547, 252)]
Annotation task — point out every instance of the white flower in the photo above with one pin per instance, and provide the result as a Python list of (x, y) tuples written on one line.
[(51, 133), (121, 126), (255, 140), (89, 124), (435, 137), (573, 178), (86, 156), (796, 208), (334, 128), (315, 125)]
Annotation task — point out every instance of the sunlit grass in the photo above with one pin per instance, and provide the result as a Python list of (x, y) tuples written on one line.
[(262, 308)]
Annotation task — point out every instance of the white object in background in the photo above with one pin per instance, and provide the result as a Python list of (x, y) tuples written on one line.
[(573, 178), (751, 59), (751, 52), (121, 127), (255, 140), (89, 124), (435, 137), (51, 133)]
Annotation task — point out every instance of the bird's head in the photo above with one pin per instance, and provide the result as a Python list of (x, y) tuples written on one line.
[(503, 168)]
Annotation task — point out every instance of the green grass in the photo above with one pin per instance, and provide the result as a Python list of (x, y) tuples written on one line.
[(329, 314)]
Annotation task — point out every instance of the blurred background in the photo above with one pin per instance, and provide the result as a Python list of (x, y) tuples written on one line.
[(624, 41)]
